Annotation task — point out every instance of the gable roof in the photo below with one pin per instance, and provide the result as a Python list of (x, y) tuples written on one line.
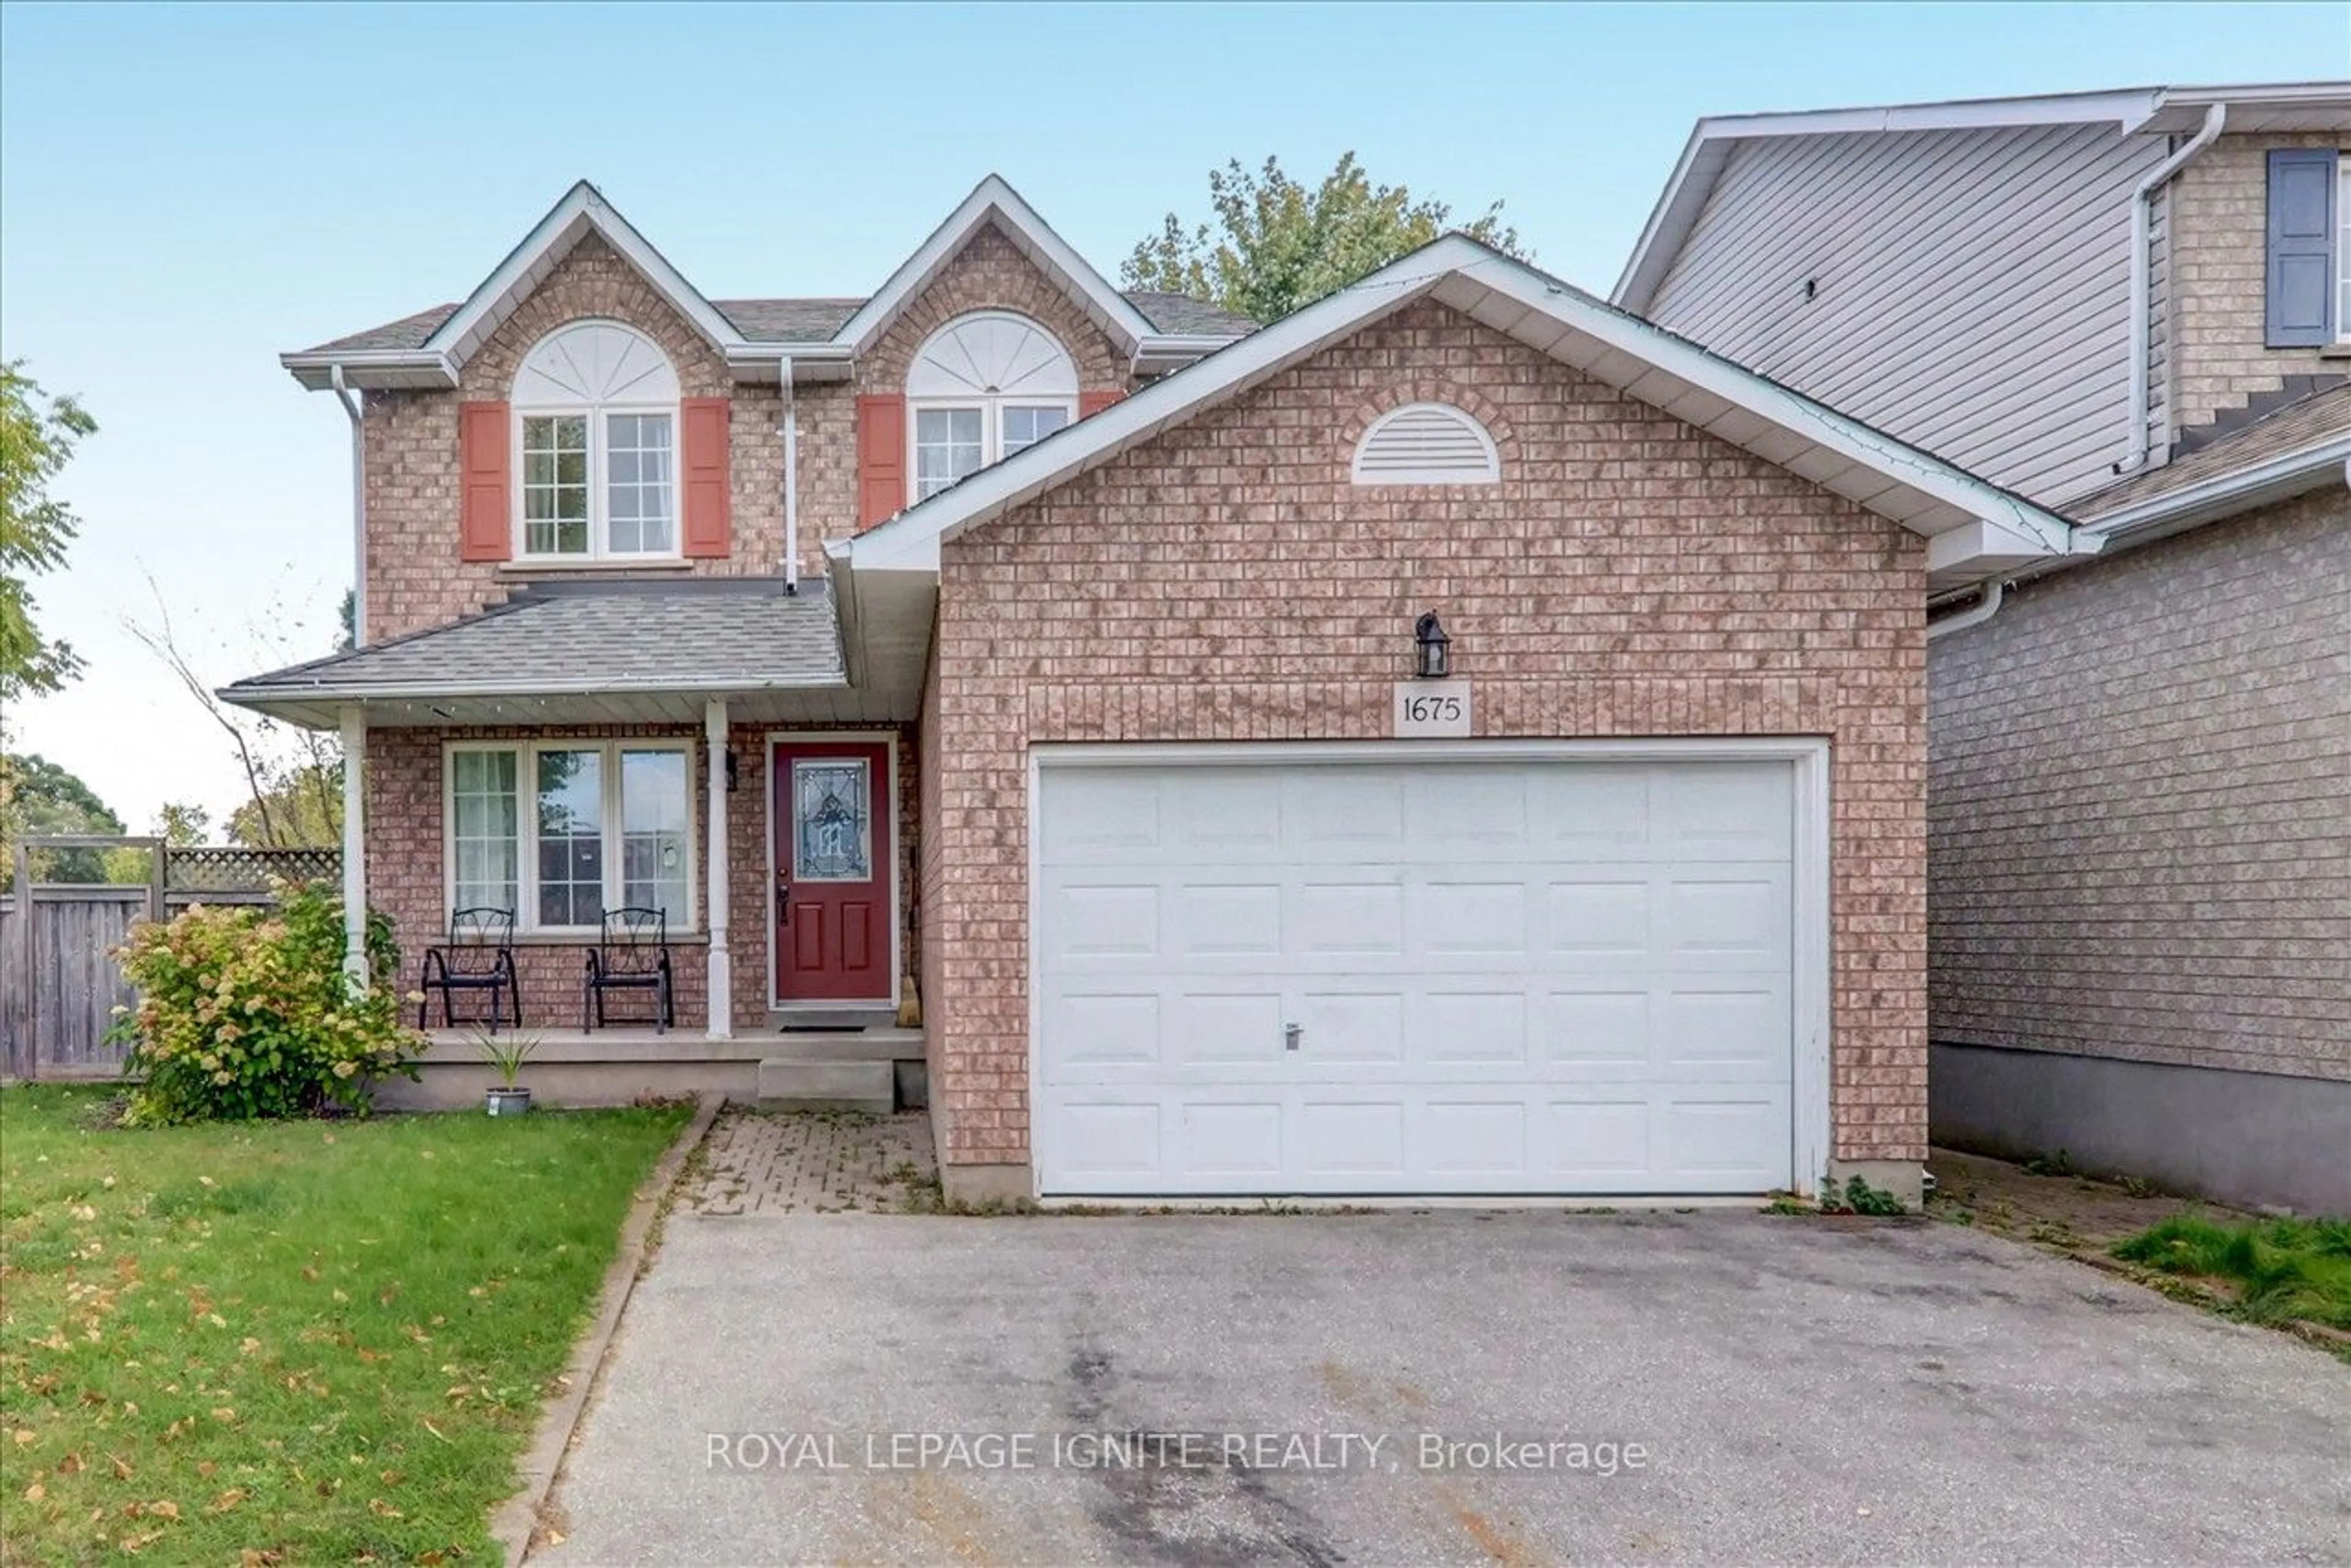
[(2277, 106), (1973, 525), (994, 201), (428, 349), (811, 320)]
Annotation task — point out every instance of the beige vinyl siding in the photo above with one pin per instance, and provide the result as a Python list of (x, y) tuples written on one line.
[(1973, 287), (2139, 805)]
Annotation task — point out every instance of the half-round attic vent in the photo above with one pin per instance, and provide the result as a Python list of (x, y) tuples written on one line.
[(1426, 444)]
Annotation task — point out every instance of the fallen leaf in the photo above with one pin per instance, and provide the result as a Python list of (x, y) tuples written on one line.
[(376, 1505), (121, 1467), (165, 1510), (226, 1501), (24, 1433), (222, 1413), (70, 1465), (36, 1492)]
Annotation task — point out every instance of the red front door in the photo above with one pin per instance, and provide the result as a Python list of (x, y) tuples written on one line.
[(833, 855)]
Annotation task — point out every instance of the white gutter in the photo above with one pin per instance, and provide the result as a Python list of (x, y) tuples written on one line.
[(2228, 494), (791, 434), (1989, 606), (351, 401), (2142, 328)]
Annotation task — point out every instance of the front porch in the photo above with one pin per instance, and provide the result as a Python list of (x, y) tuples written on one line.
[(876, 1070)]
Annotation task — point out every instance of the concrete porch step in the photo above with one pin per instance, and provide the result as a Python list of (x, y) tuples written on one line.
[(864, 1045), (786, 1084)]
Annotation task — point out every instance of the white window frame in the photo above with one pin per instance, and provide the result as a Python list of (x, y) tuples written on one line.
[(527, 752), (599, 416), (2342, 279), (991, 407)]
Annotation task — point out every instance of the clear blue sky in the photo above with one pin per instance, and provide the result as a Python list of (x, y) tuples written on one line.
[(186, 192)]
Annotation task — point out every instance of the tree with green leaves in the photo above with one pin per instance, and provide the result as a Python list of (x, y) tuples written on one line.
[(38, 798), (1277, 245), (37, 433), (299, 806)]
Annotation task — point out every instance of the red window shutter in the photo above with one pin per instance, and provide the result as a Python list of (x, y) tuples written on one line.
[(881, 458), (485, 443), (1091, 403), (709, 487)]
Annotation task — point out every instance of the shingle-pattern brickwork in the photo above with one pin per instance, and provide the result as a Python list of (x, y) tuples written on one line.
[(2140, 835), (406, 873), (414, 578), (2219, 227), (1631, 576)]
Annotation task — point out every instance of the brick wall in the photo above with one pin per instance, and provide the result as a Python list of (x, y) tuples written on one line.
[(1631, 576), (2139, 836), (406, 866), (414, 578), (2218, 218)]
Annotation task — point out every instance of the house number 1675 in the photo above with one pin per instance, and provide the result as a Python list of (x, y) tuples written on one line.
[(1431, 708)]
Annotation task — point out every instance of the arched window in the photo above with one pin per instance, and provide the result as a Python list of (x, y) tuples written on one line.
[(1426, 444), (595, 408), (982, 388)]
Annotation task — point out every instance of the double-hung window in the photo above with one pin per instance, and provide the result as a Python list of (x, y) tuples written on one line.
[(560, 831), (595, 409), (981, 388)]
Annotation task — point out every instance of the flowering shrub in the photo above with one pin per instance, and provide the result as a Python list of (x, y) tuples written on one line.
[(243, 1013)]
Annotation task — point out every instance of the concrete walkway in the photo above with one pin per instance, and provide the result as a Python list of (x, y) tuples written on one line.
[(1329, 1389)]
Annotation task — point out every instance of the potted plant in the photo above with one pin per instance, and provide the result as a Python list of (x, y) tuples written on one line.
[(506, 1054)]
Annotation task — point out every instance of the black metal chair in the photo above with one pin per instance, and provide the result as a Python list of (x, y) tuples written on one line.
[(478, 956), (632, 953)]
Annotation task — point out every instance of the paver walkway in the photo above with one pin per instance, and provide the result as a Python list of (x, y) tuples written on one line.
[(815, 1162)]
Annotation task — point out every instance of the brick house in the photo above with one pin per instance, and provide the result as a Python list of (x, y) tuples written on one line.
[(2137, 311), (1458, 738)]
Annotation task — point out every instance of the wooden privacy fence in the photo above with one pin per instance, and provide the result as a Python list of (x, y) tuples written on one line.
[(60, 984)]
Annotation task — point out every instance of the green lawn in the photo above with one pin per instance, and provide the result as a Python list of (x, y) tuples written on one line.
[(2282, 1270), (290, 1343)]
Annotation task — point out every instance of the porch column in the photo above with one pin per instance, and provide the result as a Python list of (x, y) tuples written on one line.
[(355, 908), (714, 903)]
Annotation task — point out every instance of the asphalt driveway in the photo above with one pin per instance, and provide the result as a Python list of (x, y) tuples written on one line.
[(1329, 1389)]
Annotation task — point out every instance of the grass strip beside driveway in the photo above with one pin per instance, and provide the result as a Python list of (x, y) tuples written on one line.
[(290, 1343)]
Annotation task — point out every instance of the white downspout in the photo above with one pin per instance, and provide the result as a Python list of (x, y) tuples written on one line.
[(2142, 286), (355, 903), (791, 485), (352, 406), (1975, 614)]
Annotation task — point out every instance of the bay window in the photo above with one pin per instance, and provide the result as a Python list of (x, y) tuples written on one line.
[(558, 831), (980, 388), (596, 428)]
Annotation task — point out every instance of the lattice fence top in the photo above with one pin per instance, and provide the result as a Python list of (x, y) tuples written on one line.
[(228, 868)]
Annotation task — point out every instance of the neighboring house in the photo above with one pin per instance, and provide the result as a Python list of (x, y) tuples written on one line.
[(2135, 308), (1457, 739)]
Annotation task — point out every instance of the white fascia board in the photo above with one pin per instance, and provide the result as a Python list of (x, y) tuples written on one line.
[(371, 370), (2313, 468), (992, 197), (1982, 548), (411, 691), (582, 208), (1709, 145)]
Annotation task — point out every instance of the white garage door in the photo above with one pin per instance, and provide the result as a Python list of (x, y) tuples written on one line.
[(1407, 978)]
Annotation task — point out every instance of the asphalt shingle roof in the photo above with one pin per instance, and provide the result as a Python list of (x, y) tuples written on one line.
[(813, 320), (698, 634), (2297, 425)]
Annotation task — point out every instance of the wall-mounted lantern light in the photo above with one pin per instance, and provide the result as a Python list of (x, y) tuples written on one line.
[(1431, 649), (731, 774)]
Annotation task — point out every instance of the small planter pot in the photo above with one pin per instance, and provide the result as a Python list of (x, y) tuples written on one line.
[(506, 1102)]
